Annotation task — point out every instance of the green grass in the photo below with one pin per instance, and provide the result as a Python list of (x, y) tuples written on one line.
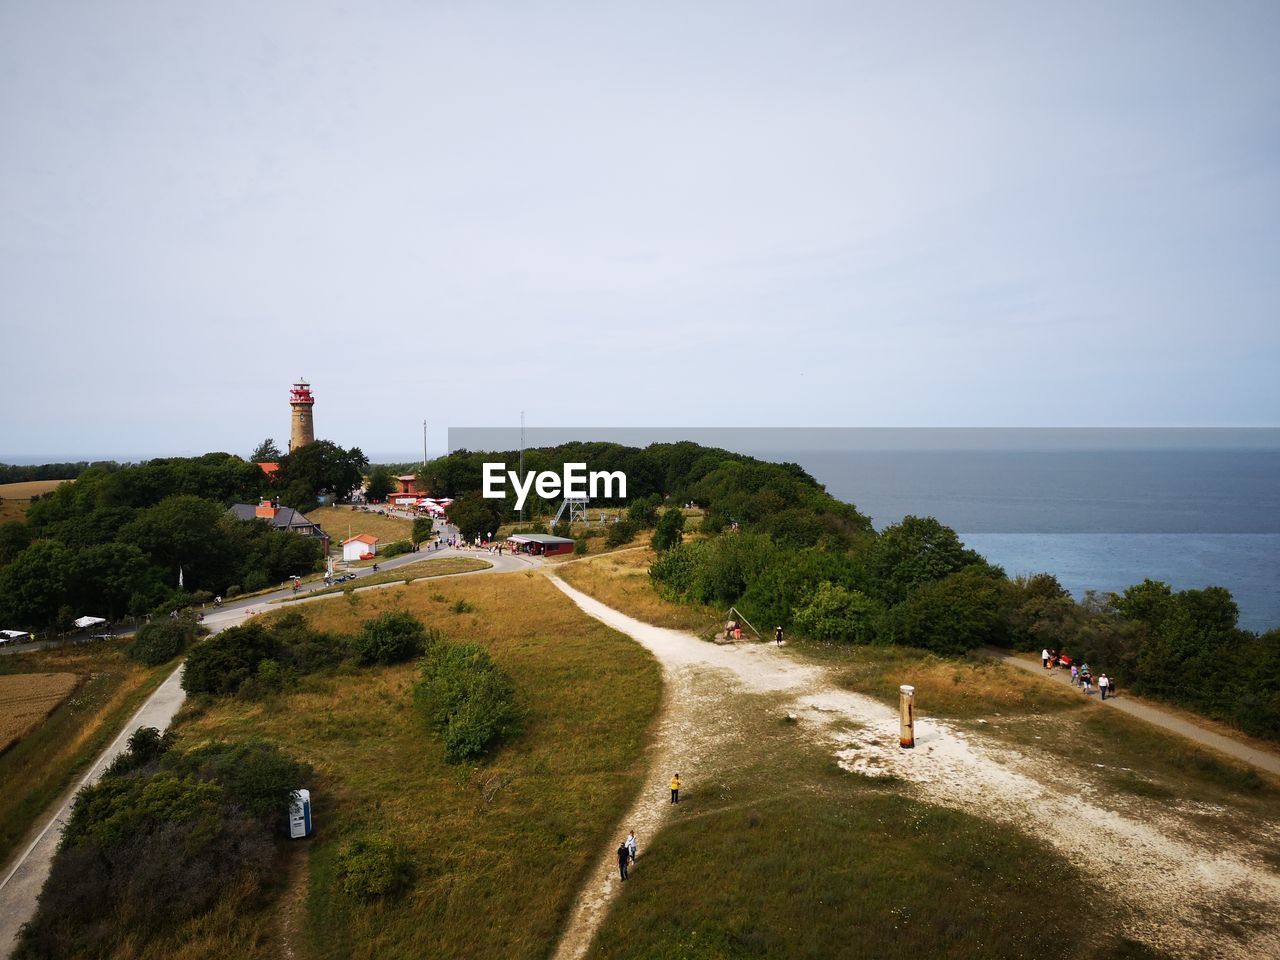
[(500, 848), (419, 570), (784, 855), (41, 766)]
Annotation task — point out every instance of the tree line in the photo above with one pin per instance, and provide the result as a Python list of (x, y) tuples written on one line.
[(115, 542)]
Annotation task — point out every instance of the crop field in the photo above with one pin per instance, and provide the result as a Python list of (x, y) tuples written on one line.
[(16, 497), (26, 699)]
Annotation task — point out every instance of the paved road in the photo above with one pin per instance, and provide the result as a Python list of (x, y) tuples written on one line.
[(1261, 759), (22, 880)]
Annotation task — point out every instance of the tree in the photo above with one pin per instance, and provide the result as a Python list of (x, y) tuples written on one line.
[(952, 615), (423, 529), (325, 467), (670, 530), (183, 531), (266, 452), (915, 551), (379, 485), (34, 586), (475, 516)]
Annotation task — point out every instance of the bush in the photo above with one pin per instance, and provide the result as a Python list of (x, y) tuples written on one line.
[(563, 529), (620, 533), (393, 637), (833, 612), (468, 698), (462, 606), (669, 531), (396, 549), (225, 661), (161, 838), (951, 616), (643, 513), (581, 546), (374, 867), (161, 641)]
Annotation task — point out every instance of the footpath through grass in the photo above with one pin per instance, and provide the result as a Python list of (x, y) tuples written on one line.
[(621, 580), (781, 854), (499, 849), (41, 766)]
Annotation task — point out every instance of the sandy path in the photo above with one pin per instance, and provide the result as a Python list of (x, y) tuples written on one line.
[(1261, 759), (1166, 871)]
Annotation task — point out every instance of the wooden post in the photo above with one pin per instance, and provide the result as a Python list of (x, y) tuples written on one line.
[(907, 703)]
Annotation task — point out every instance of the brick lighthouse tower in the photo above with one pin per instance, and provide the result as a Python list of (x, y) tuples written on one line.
[(301, 430)]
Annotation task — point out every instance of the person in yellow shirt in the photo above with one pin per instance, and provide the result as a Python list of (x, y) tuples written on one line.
[(675, 789)]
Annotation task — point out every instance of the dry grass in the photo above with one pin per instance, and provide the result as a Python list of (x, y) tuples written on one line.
[(15, 498), (500, 848), (38, 768), (621, 580), (343, 523), (27, 698)]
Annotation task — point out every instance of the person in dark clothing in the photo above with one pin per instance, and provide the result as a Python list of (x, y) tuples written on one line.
[(624, 857), (777, 635)]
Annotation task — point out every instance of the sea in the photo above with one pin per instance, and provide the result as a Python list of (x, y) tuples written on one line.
[(1096, 519)]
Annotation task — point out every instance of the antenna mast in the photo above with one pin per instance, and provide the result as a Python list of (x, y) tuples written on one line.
[(522, 458)]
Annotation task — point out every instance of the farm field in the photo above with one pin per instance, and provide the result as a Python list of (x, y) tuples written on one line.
[(499, 848), (37, 769), (16, 497), (342, 523), (26, 699)]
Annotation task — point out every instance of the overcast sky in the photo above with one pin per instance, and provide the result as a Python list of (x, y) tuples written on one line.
[(816, 214)]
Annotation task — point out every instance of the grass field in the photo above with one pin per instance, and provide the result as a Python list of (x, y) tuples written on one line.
[(780, 854), (499, 848), (16, 497), (27, 698), (622, 581), (343, 523), (38, 768), (421, 570)]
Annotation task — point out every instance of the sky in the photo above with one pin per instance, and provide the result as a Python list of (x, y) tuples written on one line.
[(605, 214)]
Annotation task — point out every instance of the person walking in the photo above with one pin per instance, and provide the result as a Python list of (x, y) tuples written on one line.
[(631, 845), (675, 789), (777, 635), (624, 857), (1044, 657), (1075, 675), (1103, 684)]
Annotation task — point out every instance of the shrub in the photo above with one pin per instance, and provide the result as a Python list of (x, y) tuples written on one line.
[(669, 531), (392, 637), (396, 549), (563, 529), (374, 867), (833, 612), (952, 615), (620, 533), (468, 698), (145, 745), (160, 839), (581, 546), (225, 661), (643, 513), (161, 641), (462, 606)]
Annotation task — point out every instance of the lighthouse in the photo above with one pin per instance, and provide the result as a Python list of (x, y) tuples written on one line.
[(301, 429)]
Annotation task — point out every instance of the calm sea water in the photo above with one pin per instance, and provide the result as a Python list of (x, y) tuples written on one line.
[(1098, 520)]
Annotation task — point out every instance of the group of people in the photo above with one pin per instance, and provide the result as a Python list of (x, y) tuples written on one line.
[(627, 849), (1081, 674)]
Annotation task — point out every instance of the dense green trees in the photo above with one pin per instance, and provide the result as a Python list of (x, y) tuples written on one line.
[(266, 452), (323, 467), (476, 516), (112, 542)]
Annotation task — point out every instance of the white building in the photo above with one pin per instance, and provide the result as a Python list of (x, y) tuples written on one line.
[(358, 546)]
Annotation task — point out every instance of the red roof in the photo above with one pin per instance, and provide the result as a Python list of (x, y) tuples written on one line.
[(362, 537), (269, 468)]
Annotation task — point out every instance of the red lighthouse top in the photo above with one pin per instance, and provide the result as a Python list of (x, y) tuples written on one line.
[(300, 395)]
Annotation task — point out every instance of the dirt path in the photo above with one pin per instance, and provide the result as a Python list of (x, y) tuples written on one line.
[(1261, 759), (1162, 866)]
